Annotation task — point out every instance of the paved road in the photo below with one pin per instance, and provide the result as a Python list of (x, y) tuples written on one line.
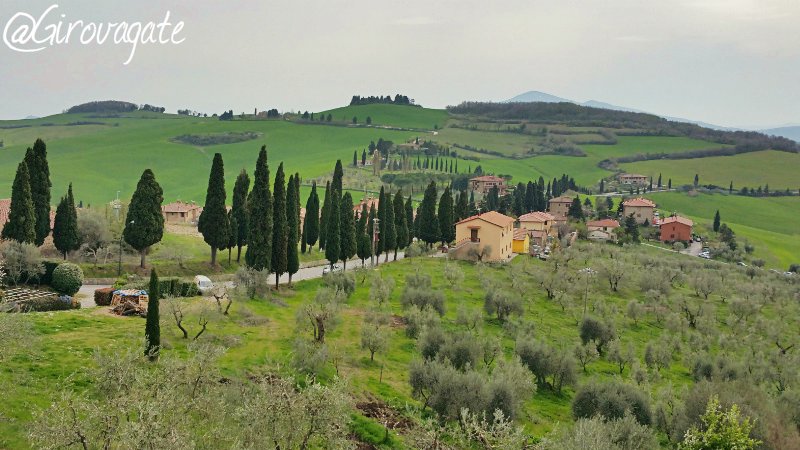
[(309, 273), (86, 294)]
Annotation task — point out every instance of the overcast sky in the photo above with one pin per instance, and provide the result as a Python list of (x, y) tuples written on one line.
[(728, 62)]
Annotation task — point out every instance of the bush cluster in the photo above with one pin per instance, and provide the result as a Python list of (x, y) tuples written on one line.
[(67, 279)]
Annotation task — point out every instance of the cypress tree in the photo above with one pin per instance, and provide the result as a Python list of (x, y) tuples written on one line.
[(65, 226), (429, 230), (669, 183), (233, 234), (381, 222), (696, 180), (259, 238), (410, 220), (39, 173), (602, 186), (239, 210), (338, 174), (471, 205), (21, 225), (152, 328), (311, 220), (355, 158), (716, 221), (363, 156), (447, 229), (364, 249), (730, 188), (280, 227), (400, 224), (213, 222), (462, 208), (332, 232), (323, 218), (349, 237), (493, 199), (293, 221), (575, 209), (144, 224), (389, 235), (519, 199), (659, 181)]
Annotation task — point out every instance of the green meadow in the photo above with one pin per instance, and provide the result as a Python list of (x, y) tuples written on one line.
[(391, 115), (777, 169), (260, 333), (771, 224), (102, 159)]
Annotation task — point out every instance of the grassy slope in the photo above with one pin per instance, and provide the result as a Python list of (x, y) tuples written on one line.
[(777, 169), (102, 159), (68, 339), (768, 223), (392, 115), (507, 143)]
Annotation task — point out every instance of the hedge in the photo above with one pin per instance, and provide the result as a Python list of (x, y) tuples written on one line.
[(173, 287), (51, 303), (102, 296)]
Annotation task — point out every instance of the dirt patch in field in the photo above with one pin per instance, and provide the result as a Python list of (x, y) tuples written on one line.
[(384, 414), (397, 321)]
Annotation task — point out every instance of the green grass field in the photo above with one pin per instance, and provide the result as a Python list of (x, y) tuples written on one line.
[(777, 169), (634, 145), (509, 144), (392, 115), (102, 159), (768, 223), (260, 334)]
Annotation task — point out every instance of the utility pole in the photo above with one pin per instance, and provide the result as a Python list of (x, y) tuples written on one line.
[(119, 263), (375, 232)]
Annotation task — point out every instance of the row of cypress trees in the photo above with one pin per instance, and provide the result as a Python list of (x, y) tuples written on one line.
[(267, 221), (29, 215)]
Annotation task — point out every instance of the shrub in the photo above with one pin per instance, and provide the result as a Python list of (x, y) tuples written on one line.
[(416, 249), (418, 319), (102, 297), (611, 400), (341, 281), (67, 278), (49, 303), (423, 298), (599, 332)]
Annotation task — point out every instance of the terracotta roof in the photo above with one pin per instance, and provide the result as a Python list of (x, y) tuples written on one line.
[(562, 199), (678, 219), (639, 201), (632, 175), (520, 233), (537, 233), (536, 216), (179, 207), (493, 217), (487, 178), (611, 223), (5, 209), (369, 201)]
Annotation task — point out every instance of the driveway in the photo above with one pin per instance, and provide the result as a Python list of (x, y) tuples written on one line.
[(309, 273), (694, 249), (86, 294)]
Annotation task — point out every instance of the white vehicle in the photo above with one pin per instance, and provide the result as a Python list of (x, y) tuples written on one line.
[(203, 283), (327, 269)]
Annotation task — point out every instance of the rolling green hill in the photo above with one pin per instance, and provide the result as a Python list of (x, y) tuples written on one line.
[(777, 169), (392, 115)]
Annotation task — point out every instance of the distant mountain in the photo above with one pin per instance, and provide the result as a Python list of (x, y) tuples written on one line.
[(792, 132), (537, 96)]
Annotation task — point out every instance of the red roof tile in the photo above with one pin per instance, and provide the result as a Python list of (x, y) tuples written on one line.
[(610, 223), (536, 216), (493, 217), (677, 219), (639, 201)]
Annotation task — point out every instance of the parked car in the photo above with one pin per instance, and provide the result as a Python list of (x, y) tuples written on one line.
[(327, 269), (742, 263), (203, 283)]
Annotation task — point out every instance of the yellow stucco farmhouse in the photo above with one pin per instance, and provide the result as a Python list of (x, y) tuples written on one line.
[(488, 236)]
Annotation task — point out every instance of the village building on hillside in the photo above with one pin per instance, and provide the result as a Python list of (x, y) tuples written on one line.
[(633, 179), (521, 242), (602, 230), (643, 210), (490, 234), (485, 183), (676, 228), (369, 201), (539, 226), (181, 212), (559, 207)]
